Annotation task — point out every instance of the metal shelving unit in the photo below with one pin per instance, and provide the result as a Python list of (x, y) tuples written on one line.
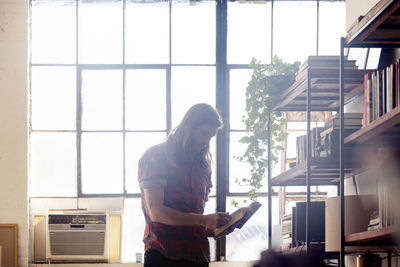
[(329, 89), (316, 89), (380, 27)]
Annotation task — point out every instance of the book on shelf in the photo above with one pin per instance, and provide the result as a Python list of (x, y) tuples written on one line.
[(386, 207), (328, 145), (287, 227), (374, 221), (285, 246), (348, 115), (368, 108), (239, 217), (381, 91), (315, 136), (373, 227), (348, 129), (287, 240), (347, 122), (301, 146)]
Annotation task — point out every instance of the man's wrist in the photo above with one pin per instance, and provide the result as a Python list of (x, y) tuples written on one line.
[(199, 219)]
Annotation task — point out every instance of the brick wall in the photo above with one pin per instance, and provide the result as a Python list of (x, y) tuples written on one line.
[(13, 120)]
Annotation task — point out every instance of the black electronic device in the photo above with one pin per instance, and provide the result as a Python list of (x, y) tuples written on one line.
[(316, 223)]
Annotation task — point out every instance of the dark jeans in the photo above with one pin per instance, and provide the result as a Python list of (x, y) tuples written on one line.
[(154, 258)]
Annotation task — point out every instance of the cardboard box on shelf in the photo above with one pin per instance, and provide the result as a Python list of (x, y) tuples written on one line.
[(358, 209)]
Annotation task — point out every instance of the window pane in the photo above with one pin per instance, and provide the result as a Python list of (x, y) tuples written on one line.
[(102, 100), (238, 80), (53, 31), (239, 169), (53, 98), (100, 31), (191, 85), (193, 32), (213, 151), (144, 111), (373, 58), (249, 32), (248, 242), (133, 229), (211, 207), (295, 41), (102, 163), (291, 149), (136, 145), (53, 164), (329, 32), (359, 55), (147, 32)]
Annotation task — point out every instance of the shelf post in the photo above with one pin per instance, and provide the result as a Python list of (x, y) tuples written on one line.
[(341, 152), (308, 153), (222, 152), (269, 181)]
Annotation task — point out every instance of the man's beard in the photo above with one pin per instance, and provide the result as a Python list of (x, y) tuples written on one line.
[(192, 152)]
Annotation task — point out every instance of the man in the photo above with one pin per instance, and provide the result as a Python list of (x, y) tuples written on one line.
[(175, 180)]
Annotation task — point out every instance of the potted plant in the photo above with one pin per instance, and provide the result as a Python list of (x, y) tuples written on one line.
[(262, 93)]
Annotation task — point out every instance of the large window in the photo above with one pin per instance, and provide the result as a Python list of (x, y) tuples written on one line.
[(109, 78)]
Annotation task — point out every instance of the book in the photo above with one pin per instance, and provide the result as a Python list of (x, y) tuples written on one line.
[(327, 62), (349, 115), (367, 99), (239, 217), (347, 122)]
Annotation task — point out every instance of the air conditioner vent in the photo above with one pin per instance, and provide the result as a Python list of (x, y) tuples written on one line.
[(77, 237)]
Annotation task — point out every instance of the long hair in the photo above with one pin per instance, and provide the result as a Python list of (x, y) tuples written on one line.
[(197, 115)]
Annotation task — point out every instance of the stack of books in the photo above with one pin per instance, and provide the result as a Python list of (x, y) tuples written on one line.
[(374, 221), (351, 121), (328, 143), (301, 145), (286, 232), (325, 140), (328, 62)]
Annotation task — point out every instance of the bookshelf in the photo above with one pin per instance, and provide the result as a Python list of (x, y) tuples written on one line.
[(329, 88), (384, 131), (322, 84), (316, 88), (380, 27)]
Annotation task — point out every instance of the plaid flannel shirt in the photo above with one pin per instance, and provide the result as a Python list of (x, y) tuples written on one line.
[(186, 188)]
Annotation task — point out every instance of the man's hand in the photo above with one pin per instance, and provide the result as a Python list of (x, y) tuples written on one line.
[(215, 220), (227, 231)]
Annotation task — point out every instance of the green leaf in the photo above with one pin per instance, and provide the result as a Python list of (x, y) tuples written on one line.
[(267, 82)]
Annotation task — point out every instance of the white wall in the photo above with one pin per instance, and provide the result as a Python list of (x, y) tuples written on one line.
[(357, 8), (13, 120)]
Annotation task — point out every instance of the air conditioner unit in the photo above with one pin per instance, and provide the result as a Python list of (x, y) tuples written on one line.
[(77, 237)]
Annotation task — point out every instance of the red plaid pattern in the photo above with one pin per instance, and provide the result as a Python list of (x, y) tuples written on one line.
[(186, 188)]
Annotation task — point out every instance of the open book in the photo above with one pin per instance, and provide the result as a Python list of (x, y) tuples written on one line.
[(239, 217)]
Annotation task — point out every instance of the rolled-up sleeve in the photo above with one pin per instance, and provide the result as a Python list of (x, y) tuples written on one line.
[(151, 171)]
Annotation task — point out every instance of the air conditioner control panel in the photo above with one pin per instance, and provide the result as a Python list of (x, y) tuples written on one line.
[(77, 219)]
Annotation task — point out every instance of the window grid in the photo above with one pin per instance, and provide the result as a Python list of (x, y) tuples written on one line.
[(221, 156)]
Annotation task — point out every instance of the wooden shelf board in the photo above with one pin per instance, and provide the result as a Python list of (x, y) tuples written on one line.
[(324, 89), (383, 131), (380, 26), (323, 171), (373, 235), (315, 249)]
